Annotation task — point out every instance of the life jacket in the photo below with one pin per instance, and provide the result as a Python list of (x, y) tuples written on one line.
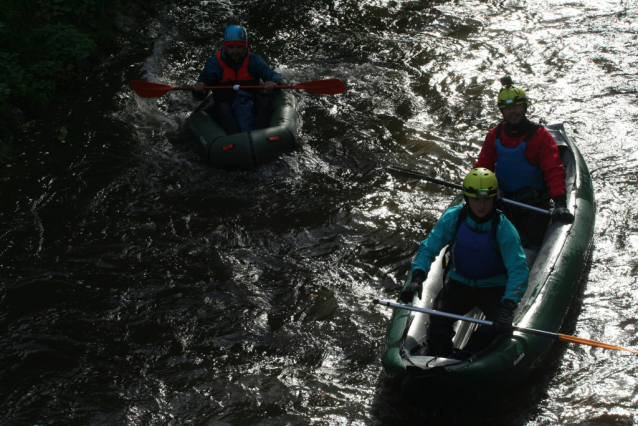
[(474, 254), (241, 76), (512, 169)]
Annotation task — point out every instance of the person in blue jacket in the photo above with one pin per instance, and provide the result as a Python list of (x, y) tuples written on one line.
[(241, 110), (487, 267)]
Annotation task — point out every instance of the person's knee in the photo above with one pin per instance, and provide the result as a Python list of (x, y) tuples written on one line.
[(223, 114), (223, 108), (442, 329), (440, 342)]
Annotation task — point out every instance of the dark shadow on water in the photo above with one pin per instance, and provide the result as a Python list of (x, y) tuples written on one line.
[(467, 406)]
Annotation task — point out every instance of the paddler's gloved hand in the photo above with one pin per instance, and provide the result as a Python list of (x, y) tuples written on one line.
[(503, 323), (200, 96), (561, 212), (198, 91), (415, 286)]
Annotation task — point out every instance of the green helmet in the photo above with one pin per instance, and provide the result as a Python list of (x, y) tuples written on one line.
[(511, 95), (480, 183)]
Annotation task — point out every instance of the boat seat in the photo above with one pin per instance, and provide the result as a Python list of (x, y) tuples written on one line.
[(530, 254)]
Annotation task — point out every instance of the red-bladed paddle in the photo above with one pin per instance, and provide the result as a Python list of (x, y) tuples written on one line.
[(556, 336), (333, 86)]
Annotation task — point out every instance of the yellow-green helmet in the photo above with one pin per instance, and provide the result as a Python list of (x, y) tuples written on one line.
[(480, 183), (511, 95)]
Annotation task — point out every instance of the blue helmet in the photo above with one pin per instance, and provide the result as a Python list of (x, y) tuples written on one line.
[(235, 33)]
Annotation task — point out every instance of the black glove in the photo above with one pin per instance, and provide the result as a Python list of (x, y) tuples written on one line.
[(415, 286), (200, 96), (503, 322), (561, 212)]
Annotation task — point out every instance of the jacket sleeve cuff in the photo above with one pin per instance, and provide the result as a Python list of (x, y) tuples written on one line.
[(418, 273), (560, 201), (510, 304)]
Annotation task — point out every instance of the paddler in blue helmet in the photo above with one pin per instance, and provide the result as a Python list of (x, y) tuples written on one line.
[(243, 110), (487, 267)]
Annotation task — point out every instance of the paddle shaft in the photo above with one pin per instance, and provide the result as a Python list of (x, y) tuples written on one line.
[(235, 87), (410, 173), (555, 336), (150, 90), (462, 318)]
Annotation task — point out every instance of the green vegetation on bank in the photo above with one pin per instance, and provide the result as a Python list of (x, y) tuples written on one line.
[(45, 46)]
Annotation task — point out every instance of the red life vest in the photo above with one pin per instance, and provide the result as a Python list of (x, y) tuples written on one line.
[(232, 76)]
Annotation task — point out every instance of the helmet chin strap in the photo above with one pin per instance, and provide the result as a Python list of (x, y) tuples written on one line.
[(515, 130)]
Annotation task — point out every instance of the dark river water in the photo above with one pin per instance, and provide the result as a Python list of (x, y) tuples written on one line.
[(141, 286)]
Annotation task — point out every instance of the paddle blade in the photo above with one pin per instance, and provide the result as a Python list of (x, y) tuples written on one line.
[(400, 171), (146, 89), (333, 86), (581, 341)]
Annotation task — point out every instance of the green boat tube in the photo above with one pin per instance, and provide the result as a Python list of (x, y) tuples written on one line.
[(249, 149), (555, 271)]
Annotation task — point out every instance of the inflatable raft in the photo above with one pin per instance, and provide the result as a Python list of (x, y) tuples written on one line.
[(249, 149), (553, 282)]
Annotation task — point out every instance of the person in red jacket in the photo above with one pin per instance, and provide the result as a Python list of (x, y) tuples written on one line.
[(526, 161), (241, 110)]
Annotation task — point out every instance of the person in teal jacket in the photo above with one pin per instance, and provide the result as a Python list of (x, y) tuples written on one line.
[(487, 267)]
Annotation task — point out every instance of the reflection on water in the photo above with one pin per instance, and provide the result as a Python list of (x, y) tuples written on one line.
[(141, 286)]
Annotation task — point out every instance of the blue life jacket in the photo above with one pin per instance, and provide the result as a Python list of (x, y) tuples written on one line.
[(474, 254), (512, 170)]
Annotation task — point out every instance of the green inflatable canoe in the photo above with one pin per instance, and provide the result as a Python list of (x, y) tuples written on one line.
[(553, 282), (250, 149)]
